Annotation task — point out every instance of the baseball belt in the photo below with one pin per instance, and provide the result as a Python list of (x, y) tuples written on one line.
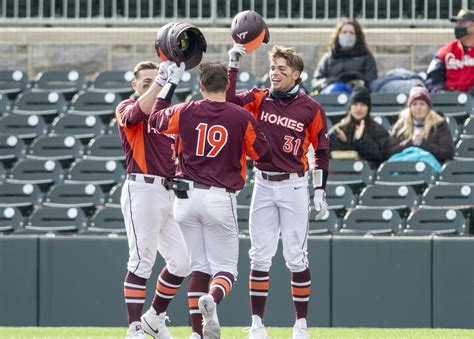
[(280, 177), (149, 179)]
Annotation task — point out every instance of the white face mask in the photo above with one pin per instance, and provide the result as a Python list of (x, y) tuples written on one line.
[(346, 40)]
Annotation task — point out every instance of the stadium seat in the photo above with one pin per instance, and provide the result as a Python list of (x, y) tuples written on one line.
[(74, 195), (22, 196), (388, 105), (306, 80), (449, 196), (384, 122), (48, 219), (243, 202), (47, 104), (468, 128), (11, 219), (117, 82), (113, 199), (371, 221), (330, 223), (80, 127), (464, 149), (3, 172), (67, 82), (105, 147), (339, 197), (112, 128), (390, 197), (193, 96), (93, 103), (453, 128), (13, 82), (23, 126), (349, 172), (452, 104), (188, 84), (98, 172), (427, 221), (35, 172), (410, 173), (4, 104), (457, 172), (245, 81), (335, 105), (11, 148), (55, 148), (107, 220)]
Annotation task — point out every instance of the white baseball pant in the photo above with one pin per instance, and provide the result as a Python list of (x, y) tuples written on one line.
[(208, 221), (148, 214), (279, 206)]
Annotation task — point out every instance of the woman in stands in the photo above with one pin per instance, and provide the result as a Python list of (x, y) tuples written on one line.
[(348, 61), (419, 126), (358, 132)]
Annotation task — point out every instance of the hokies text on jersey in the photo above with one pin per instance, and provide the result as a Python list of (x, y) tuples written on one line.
[(282, 121)]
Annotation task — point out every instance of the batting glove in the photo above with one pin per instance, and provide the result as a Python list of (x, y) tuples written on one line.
[(234, 55), (320, 204), (176, 72), (162, 76)]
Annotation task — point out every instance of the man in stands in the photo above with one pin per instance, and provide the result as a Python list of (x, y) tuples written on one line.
[(452, 68)]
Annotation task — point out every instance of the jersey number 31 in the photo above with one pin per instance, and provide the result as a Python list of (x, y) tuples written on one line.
[(216, 136)]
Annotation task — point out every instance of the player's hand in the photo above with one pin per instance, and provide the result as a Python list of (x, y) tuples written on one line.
[(176, 72), (235, 53), (320, 204), (162, 76)]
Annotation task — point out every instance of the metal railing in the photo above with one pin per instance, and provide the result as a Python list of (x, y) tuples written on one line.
[(216, 13)]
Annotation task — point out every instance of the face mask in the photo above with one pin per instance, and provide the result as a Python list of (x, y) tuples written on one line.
[(347, 40), (460, 32)]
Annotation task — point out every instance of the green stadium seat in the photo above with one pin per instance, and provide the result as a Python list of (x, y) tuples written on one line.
[(468, 128), (47, 104), (427, 221), (31, 171), (74, 195), (454, 128), (464, 149), (11, 148), (93, 103), (339, 197), (4, 104), (66, 82), (384, 122), (449, 196), (11, 219), (113, 199), (23, 126), (60, 220), (13, 82), (390, 197), (387, 105), (410, 173), (3, 172), (107, 220), (330, 223), (98, 172), (117, 82), (374, 221), (349, 172), (457, 172), (55, 148), (112, 128), (22, 196), (335, 105), (78, 126), (105, 147), (189, 83), (452, 104), (245, 81)]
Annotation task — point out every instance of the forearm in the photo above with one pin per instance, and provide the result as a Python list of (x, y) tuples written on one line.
[(147, 100)]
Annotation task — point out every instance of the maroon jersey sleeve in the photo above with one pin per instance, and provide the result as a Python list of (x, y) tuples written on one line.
[(129, 113), (167, 120), (256, 144)]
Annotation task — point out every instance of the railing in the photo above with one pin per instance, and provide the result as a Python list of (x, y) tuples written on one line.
[(217, 13)]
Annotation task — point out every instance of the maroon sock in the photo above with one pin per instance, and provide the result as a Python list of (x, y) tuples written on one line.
[(167, 286), (198, 286), (134, 290), (300, 290), (221, 285), (259, 283)]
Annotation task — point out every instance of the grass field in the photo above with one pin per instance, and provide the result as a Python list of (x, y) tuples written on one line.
[(233, 332)]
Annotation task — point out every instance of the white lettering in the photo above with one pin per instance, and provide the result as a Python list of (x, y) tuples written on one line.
[(282, 121), (242, 35), (453, 63)]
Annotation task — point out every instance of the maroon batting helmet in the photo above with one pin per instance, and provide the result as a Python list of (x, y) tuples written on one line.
[(249, 29)]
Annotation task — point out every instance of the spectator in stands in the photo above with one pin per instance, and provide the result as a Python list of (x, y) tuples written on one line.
[(348, 60), (452, 68), (359, 132), (419, 126)]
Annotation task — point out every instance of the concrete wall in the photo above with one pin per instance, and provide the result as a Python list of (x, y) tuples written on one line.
[(92, 50)]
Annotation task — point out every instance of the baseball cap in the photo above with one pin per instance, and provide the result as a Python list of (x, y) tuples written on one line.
[(463, 15)]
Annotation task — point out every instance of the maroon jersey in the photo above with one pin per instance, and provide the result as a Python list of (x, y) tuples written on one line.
[(289, 124), (146, 150), (214, 140)]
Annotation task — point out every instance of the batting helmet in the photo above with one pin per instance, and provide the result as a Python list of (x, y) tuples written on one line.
[(249, 29), (181, 42)]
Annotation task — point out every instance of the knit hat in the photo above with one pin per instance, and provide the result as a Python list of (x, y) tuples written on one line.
[(419, 92), (360, 94)]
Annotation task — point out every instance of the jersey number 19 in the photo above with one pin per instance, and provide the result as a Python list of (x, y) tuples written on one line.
[(216, 136)]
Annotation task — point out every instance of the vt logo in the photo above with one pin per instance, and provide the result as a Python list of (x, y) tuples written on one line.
[(242, 35)]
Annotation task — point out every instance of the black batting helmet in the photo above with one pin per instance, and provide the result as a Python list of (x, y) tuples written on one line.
[(181, 42), (249, 29)]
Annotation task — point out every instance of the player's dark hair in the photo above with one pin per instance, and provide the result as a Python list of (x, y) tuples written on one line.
[(213, 76), (144, 65), (293, 59)]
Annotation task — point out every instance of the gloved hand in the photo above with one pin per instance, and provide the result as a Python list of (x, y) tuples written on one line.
[(320, 204), (176, 72), (162, 76), (235, 53)]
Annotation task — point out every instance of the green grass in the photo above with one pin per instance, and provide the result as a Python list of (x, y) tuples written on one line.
[(234, 332)]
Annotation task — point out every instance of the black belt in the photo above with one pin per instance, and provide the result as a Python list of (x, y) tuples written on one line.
[(279, 177), (206, 187), (149, 180)]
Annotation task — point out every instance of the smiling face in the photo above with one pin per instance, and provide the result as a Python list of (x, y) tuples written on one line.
[(282, 76), (143, 80), (419, 110)]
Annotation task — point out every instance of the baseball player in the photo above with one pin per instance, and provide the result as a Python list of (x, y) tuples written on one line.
[(147, 205), (214, 139), (292, 121)]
